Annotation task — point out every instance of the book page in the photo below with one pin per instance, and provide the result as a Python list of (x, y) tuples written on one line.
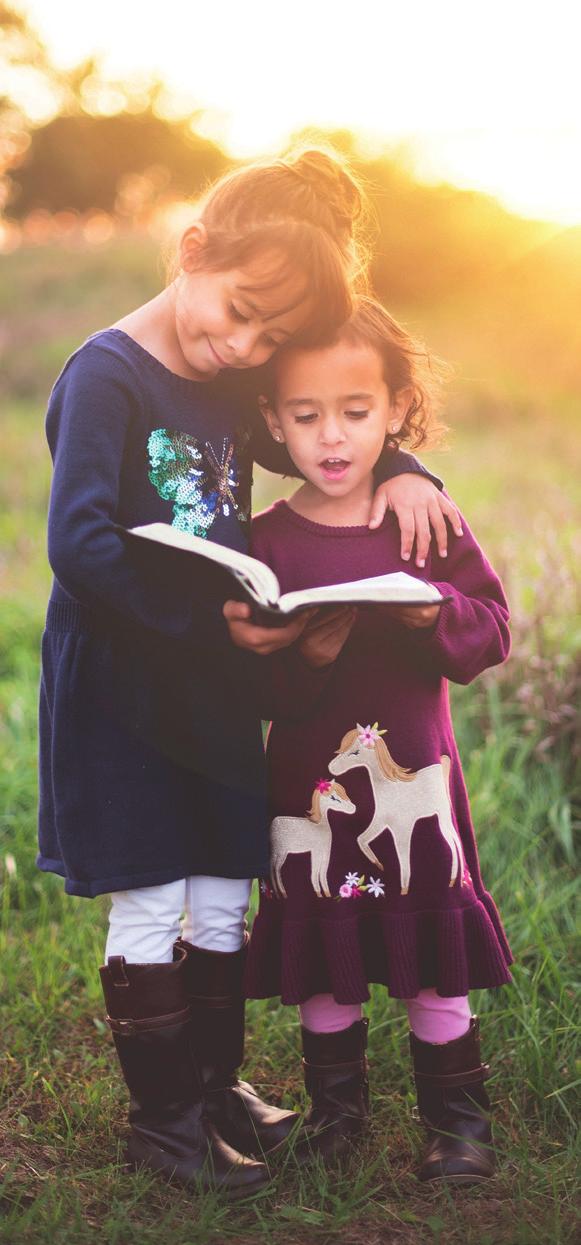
[(396, 588)]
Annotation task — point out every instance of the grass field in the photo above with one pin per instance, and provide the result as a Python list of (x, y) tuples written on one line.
[(512, 470)]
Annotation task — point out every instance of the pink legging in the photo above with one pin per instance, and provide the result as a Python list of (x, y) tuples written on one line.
[(431, 1017)]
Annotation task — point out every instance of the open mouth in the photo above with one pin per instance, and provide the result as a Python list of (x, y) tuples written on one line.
[(334, 468)]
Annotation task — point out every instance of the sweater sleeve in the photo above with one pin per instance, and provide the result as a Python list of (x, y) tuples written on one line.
[(93, 406), (275, 457), (393, 463), (472, 632)]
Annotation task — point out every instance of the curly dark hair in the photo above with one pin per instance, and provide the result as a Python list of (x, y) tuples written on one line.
[(407, 365)]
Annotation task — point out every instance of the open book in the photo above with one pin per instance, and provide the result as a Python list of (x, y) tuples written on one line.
[(261, 585)]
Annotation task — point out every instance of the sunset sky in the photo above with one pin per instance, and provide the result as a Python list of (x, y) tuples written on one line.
[(485, 95)]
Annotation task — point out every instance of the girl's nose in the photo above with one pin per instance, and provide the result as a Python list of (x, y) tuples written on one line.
[(242, 342), (331, 431)]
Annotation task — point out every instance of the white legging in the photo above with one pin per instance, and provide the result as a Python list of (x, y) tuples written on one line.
[(210, 912)]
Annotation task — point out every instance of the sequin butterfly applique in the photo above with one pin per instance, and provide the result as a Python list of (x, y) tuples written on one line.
[(200, 482)]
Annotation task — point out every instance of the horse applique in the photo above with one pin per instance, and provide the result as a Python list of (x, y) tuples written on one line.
[(313, 834), (401, 798)]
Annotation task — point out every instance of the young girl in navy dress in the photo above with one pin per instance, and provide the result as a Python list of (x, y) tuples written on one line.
[(151, 758), (374, 869)]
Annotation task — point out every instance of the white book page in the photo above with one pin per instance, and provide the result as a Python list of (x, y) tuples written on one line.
[(396, 588)]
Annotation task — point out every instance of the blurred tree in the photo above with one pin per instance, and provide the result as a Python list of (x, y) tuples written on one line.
[(74, 140), (25, 74), (21, 48), (82, 162)]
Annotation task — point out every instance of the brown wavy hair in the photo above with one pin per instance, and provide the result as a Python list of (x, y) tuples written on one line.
[(314, 812), (407, 364), (389, 767), (306, 214)]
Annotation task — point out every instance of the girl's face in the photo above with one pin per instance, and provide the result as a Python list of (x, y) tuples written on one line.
[(333, 409), (223, 321)]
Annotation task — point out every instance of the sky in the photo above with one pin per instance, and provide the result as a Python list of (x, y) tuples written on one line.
[(487, 96)]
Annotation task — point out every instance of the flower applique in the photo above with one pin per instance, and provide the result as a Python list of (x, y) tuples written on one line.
[(201, 481), (355, 886), (369, 735), (266, 889)]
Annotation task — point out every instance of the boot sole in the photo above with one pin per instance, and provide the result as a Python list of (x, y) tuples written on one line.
[(197, 1184), (463, 1178)]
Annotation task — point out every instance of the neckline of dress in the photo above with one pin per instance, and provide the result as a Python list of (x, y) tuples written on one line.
[(216, 383), (327, 529)]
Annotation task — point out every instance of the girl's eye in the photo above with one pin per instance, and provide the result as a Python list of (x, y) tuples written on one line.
[(306, 419), (357, 414), (237, 314)]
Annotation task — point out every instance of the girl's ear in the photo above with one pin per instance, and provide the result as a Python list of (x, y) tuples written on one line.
[(269, 416), (398, 409), (192, 244)]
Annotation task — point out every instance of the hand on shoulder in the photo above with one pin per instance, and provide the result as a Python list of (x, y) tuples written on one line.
[(418, 506)]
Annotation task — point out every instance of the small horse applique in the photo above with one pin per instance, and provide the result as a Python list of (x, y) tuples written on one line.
[(401, 798), (313, 834)]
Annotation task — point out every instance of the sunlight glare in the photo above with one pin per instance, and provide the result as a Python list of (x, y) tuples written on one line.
[(486, 96)]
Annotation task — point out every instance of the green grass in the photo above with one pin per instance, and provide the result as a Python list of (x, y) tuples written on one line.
[(62, 1099)]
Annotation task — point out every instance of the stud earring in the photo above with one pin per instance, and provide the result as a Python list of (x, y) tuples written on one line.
[(394, 427), (277, 436)]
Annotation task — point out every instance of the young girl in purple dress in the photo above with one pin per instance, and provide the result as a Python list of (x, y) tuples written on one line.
[(374, 868)]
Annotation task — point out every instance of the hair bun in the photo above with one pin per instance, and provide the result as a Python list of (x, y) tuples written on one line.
[(333, 198)]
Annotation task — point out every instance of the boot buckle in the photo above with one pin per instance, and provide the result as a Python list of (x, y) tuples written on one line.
[(124, 1028)]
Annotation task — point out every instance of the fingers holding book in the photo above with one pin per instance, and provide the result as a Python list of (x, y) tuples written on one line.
[(414, 616), (325, 635), (321, 632), (262, 640)]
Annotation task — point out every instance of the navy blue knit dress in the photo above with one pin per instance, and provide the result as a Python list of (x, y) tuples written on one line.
[(151, 756)]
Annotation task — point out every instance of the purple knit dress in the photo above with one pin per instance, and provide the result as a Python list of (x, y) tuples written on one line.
[(374, 867)]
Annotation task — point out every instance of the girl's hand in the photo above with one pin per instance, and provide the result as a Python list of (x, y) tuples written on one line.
[(414, 616), (263, 640), (325, 636), (417, 503)]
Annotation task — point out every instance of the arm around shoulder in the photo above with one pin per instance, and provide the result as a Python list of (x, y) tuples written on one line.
[(393, 463)]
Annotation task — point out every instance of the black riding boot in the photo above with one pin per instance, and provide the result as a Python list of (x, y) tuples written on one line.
[(149, 1015), (335, 1068), (453, 1104), (215, 994)]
